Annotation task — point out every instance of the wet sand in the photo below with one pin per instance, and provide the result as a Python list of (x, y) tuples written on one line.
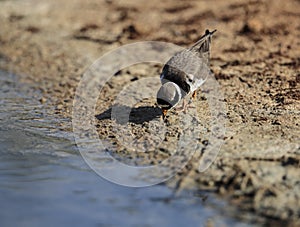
[(254, 57)]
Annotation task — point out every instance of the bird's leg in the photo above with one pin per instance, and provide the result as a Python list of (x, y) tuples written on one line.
[(183, 107), (186, 105), (194, 95), (189, 105)]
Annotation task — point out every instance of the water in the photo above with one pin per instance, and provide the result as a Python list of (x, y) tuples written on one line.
[(45, 182)]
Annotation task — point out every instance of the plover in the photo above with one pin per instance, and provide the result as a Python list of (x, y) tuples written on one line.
[(184, 73)]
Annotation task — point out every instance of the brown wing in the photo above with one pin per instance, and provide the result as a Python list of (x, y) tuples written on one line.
[(193, 61)]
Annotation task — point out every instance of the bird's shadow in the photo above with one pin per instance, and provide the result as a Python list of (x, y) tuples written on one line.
[(123, 114)]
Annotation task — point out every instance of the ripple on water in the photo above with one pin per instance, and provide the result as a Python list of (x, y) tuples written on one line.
[(26, 125)]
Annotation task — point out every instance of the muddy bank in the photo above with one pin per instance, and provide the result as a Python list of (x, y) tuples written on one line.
[(255, 59)]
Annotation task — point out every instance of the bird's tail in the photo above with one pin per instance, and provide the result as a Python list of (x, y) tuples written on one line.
[(202, 45)]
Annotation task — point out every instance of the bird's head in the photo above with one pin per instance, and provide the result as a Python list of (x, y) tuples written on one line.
[(168, 96)]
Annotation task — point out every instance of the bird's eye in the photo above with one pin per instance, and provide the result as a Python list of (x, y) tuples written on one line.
[(190, 80)]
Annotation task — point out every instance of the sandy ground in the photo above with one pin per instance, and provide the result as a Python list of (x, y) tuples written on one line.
[(254, 57)]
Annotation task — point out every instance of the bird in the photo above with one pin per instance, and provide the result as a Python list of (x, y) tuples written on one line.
[(184, 73)]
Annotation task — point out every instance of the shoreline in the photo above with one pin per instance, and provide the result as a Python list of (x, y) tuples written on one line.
[(255, 61)]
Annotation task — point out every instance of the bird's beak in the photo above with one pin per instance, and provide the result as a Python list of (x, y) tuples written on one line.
[(164, 112)]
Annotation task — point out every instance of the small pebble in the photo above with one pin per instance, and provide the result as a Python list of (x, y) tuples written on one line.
[(43, 100)]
